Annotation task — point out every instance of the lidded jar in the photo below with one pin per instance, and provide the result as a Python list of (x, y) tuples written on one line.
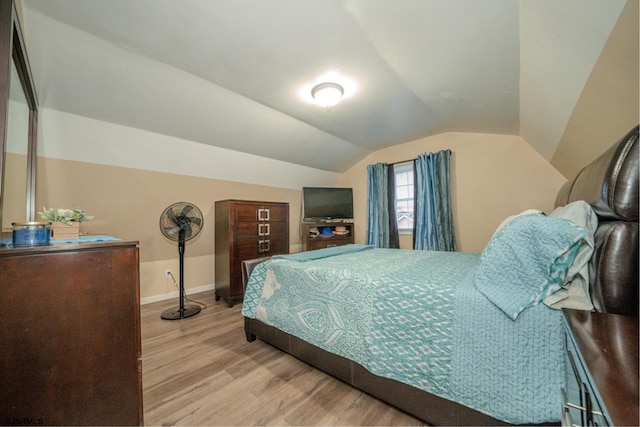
[(31, 233)]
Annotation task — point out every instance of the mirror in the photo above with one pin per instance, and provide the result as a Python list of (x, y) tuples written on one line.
[(18, 115), (14, 195)]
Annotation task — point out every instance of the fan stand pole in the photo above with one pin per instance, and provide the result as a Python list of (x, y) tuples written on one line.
[(180, 312)]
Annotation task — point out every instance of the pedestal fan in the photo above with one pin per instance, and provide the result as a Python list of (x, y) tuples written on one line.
[(180, 222)]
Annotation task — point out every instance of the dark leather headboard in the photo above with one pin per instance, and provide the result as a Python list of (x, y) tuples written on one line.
[(610, 185)]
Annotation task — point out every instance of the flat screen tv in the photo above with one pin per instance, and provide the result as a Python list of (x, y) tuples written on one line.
[(325, 203)]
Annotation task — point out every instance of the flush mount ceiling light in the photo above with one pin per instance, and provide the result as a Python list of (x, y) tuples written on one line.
[(327, 94)]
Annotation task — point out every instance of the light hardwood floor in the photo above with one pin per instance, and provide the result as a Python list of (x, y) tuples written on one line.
[(202, 371)]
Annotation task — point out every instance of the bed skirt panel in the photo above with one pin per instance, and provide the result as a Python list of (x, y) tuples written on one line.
[(427, 407)]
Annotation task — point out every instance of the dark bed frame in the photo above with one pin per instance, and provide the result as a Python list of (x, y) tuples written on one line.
[(610, 185)]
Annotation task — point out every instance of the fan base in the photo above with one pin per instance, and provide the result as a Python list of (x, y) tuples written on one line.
[(177, 313)]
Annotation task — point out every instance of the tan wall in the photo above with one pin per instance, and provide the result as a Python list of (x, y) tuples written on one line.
[(127, 203), (492, 177), (609, 104)]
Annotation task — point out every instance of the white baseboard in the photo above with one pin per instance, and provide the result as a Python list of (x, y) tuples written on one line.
[(175, 294)]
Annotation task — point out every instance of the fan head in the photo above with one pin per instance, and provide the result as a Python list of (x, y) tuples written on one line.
[(181, 216)]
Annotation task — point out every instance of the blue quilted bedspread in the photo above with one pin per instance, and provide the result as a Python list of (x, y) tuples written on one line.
[(416, 317)]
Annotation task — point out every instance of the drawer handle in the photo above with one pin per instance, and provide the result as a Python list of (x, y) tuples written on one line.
[(264, 229), (263, 214), (568, 405), (264, 246), (567, 420), (590, 411)]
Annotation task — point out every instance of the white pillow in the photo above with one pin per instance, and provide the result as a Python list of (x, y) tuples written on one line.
[(512, 217), (575, 290)]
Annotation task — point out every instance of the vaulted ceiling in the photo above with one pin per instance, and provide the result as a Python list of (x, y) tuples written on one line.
[(237, 73)]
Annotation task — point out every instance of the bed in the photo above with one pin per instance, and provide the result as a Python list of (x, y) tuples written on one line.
[(461, 338)]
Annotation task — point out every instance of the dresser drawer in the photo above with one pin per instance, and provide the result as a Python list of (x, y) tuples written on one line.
[(327, 242), (265, 212), (257, 248), (258, 230)]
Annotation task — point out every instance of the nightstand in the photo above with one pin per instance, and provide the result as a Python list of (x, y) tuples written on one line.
[(601, 364)]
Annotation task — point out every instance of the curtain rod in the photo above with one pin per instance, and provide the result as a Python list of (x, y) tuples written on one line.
[(411, 160), (401, 161)]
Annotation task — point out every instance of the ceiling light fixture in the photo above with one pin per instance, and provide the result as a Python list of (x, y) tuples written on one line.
[(327, 94)]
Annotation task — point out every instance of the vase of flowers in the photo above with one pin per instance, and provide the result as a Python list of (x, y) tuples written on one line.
[(65, 222)]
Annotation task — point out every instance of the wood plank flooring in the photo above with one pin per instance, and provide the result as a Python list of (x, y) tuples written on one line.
[(202, 371)]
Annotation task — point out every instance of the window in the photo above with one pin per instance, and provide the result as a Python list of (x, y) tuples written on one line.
[(404, 195)]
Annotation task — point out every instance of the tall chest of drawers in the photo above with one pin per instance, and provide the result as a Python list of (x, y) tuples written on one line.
[(246, 230)]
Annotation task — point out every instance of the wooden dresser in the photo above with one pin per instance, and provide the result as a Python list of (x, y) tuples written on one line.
[(601, 367), (246, 230), (70, 328)]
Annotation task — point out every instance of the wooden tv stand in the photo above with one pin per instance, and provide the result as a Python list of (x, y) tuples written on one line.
[(310, 243)]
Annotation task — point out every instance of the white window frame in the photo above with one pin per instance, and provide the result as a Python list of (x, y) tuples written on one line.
[(398, 169)]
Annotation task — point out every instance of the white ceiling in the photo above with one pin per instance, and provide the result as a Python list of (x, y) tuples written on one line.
[(236, 73)]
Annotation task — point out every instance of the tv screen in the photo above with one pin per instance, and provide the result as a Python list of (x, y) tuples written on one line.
[(327, 203)]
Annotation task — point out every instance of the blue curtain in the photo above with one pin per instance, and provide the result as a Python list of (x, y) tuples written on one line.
[(382, 228), (433, 218)]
